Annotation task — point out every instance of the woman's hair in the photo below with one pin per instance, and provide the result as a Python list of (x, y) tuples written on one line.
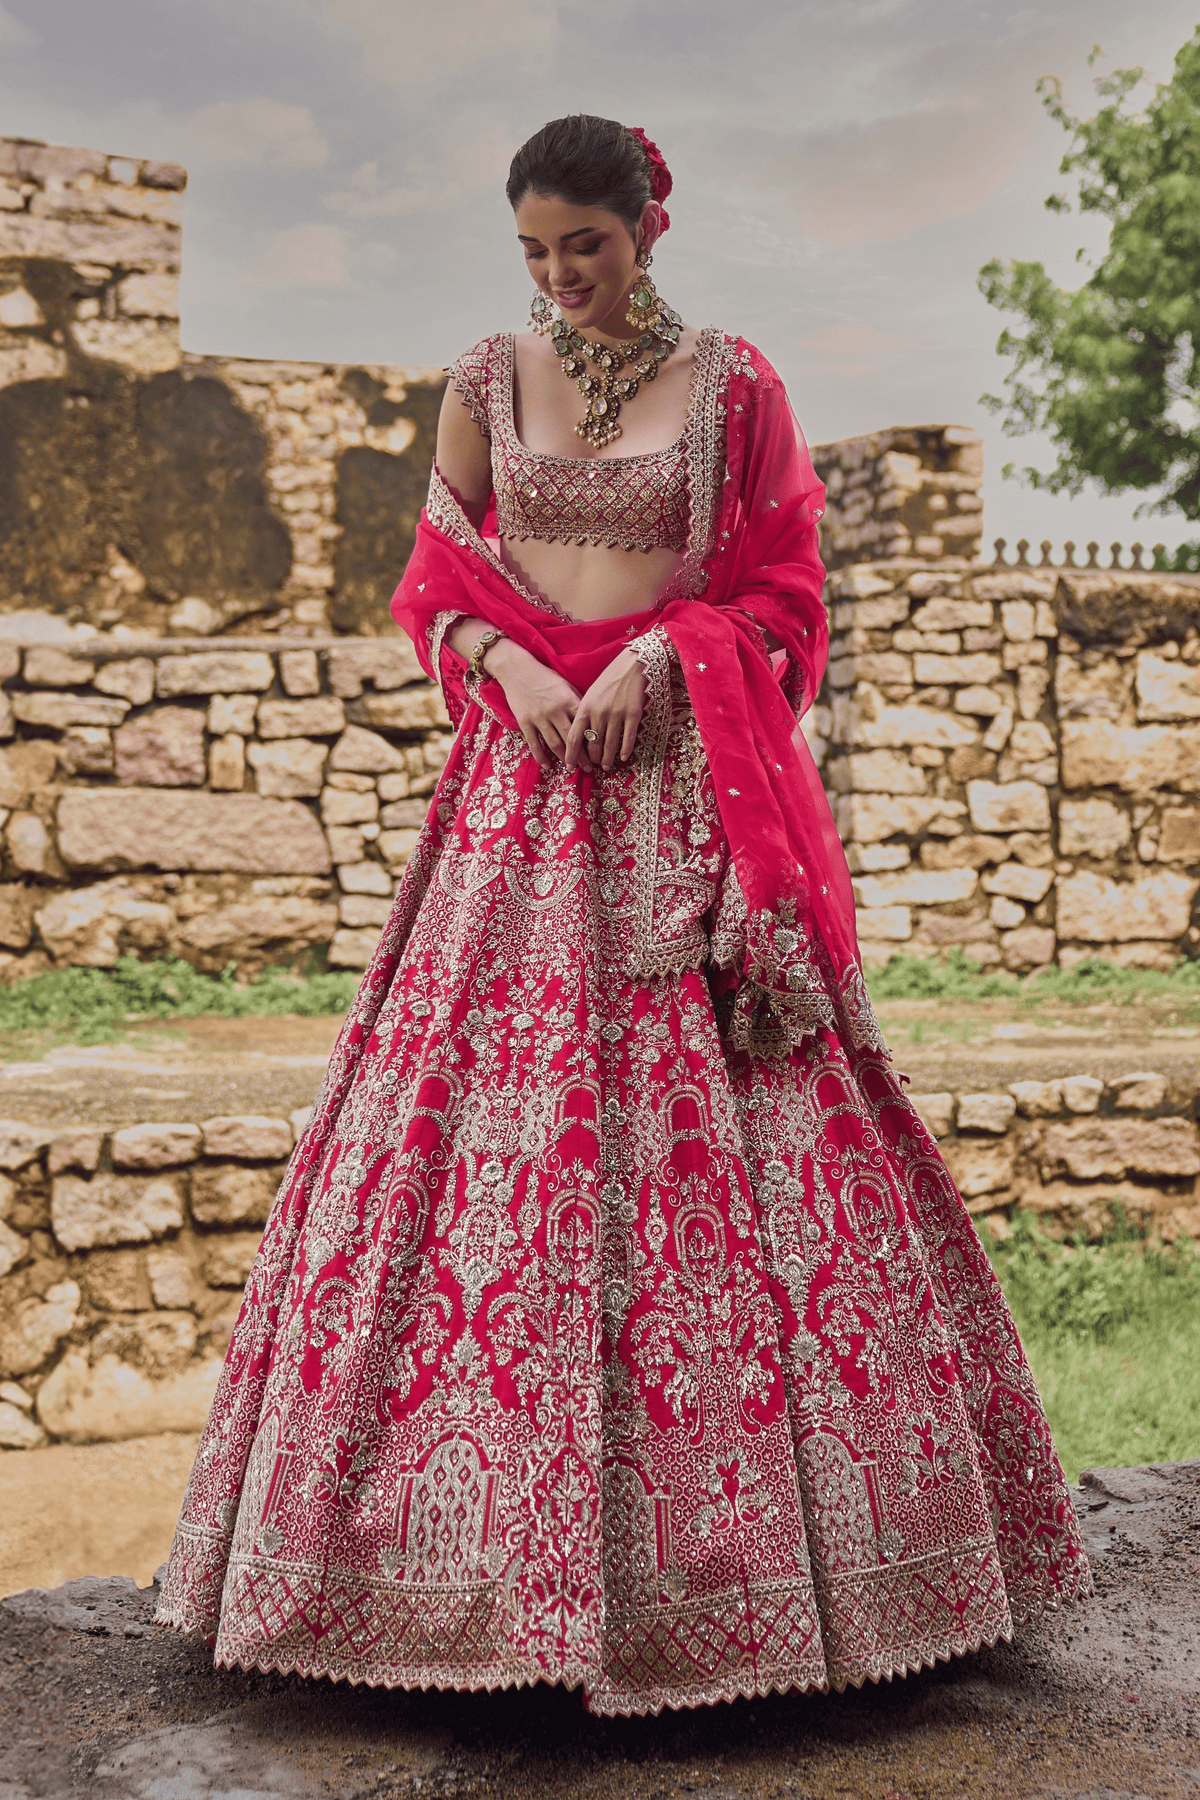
[(588, 161)]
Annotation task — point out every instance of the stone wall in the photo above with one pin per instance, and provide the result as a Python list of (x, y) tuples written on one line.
[(912, 491), (146, 488), (122, 1259), (238, 798), (1013, 757)]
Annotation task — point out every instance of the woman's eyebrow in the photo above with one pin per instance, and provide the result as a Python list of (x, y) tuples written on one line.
[(583, 231)]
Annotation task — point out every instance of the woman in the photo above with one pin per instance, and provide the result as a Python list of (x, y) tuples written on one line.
[(617, 1323)]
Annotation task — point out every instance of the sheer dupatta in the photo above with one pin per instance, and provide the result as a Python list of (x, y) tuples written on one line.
[(752, 566)]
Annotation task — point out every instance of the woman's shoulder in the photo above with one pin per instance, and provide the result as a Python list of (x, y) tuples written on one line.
[(745, 362), (481, 355)]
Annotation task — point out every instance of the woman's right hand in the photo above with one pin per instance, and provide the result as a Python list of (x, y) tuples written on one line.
[(541, 702)]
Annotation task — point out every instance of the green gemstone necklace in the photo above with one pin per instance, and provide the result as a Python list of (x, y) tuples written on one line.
[(607, 389)]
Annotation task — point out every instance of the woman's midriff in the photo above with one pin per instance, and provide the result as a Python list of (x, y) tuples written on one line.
[(590, 581)]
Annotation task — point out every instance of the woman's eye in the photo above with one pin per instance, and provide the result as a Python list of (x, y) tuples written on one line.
[(534, 255)]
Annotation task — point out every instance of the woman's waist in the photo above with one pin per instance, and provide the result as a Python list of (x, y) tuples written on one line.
[(591, 583)]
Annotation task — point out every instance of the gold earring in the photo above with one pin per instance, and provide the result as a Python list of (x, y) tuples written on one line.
[(540, 320), (644, 304), (644, 257)]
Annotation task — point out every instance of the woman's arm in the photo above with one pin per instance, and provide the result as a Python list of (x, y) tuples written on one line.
[(541, 702), (464, 456)]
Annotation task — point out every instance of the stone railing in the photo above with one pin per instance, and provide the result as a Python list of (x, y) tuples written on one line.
[(215, 800), (1076, 1152), (1013, 757), (122, 1259)]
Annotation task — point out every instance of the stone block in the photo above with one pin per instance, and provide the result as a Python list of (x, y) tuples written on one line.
[(1027, 947), (357, 910), (956, 671), (943, 613), (980, 702), (340, 808), (935, 1111), (233, 1193), (227, 764), (1179, 835), (1020, 656), (979, 1168), (32, 1330), (1095, 909), (1063, 1209), (161, 748), (322, 717), (1149, 954), (353, 949), (970, 851), (418, 708), (77, 1149), (1033, 848), (1011, 806), (1018, 882), (974, 764), (892, 924), (13, 1249), (214, 672), (172, 1283), (116, 1280), (869, 818), (1138, 759), (1139, 1092), (1103, 690), (25, 769), (1014, 584), (93, 927), (396, 847), (386, 663), (364, 878), (915, 887), (864, 720), (232, 712), (17, 1430), (157, 828), (860, 582), (250, 1135), (21, 1144), (247, 926), (986, 1112), (876, 614), (879, 772), (299, 673), (1019, 618), (998, 732), (1081, 1093), (47, 667), (131, 678), (109, 1400), (29, 845), (1166, 689), (1037, 1099), (288, 769), (1095, 827), (16, 914), (861, 859), (366, 753), (156, 1146), (1115, 1148), (392, 787), (346, 843), (1031, 741), (57, 711), (114, 1209), (1006, 914), (228, 1259), (86, 750)]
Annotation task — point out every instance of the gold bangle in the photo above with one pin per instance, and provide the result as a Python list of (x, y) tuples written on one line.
[(475, 660)]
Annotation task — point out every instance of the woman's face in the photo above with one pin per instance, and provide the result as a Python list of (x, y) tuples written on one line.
[(583, 258)]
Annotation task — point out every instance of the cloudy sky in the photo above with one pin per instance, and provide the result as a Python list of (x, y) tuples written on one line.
[(842, 170)]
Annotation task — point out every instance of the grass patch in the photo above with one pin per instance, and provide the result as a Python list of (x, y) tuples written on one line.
[(96, 1005), (1112, 1331), (1090, 983)]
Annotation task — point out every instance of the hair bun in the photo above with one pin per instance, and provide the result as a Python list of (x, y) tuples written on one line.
[(661, 180)]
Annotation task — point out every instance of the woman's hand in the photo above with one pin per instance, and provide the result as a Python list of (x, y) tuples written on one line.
[(542, 703), (612, 708)]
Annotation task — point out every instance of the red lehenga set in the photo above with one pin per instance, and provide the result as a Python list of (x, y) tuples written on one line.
[(617, 1322)]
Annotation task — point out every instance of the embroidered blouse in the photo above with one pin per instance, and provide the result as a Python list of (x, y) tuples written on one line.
[(623, 502)]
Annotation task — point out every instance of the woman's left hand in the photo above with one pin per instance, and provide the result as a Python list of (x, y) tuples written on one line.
[(612, 708)]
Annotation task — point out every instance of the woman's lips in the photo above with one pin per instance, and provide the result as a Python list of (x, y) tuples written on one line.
[(572, 297)]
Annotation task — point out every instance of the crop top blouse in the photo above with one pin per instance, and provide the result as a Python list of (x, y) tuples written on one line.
[(625, 502)]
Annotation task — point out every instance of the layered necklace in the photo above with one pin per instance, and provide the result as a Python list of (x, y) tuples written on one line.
[(658, 327)]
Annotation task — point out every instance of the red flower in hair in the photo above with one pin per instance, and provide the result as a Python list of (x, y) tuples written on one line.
[(661, 181)]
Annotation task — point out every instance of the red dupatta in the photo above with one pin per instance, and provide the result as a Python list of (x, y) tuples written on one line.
[(752, 562)]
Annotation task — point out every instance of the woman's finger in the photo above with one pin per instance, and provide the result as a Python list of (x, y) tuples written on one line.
[(574, 739), (610, 742), (536, 747), (629, 735)]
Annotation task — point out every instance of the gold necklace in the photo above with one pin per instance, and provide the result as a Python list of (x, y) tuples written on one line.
[(608, 389)]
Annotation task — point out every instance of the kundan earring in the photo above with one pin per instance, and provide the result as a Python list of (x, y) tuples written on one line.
[(540, 319), (643, 301)]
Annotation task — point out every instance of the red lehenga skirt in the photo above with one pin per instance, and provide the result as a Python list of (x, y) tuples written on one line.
[(584, 1348)]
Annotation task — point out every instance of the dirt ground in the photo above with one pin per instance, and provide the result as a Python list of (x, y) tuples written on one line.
[(1101, 1702)]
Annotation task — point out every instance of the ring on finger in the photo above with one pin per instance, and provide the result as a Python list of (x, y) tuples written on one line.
[(590, 736)]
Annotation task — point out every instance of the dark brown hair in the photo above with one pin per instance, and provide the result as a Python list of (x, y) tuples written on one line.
[(586, 160)]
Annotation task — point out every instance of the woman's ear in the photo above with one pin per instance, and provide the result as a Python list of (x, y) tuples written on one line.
[(650, 225)]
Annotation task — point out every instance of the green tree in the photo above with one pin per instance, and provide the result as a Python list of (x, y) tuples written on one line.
[(1111, 370)]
